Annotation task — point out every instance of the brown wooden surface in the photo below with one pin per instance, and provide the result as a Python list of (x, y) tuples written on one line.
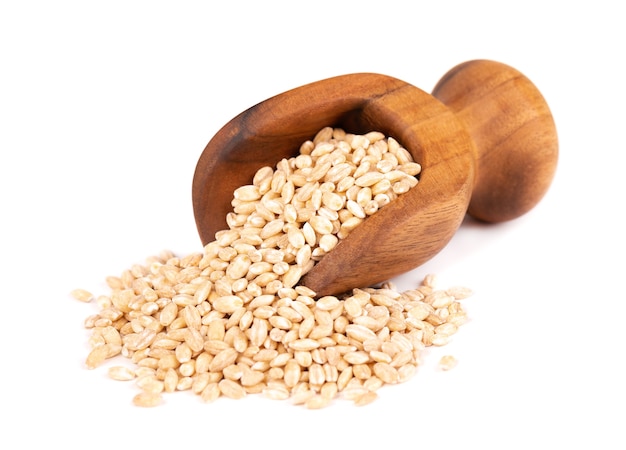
[(415, 227), (513, 128)]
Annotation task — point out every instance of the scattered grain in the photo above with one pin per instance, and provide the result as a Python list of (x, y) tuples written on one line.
[(447, 362), (317, 402), (233, 320), (366, 398), (147, 399), (231, 389), (82, 295), (121, 373)]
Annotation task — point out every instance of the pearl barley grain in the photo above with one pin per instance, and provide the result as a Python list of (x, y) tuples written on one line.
[(447, 362), (232, 320)]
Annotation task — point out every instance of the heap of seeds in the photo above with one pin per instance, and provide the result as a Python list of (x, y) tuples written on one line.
[(232, 320)]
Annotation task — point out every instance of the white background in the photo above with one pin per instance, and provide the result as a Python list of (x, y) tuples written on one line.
[(105, 108)]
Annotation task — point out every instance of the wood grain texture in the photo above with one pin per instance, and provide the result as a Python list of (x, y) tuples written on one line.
[(450, 136), (514, 131)]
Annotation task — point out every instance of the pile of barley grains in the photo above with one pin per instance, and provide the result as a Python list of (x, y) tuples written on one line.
[(232, 320)]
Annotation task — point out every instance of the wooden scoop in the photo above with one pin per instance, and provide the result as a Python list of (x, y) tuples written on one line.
[(485, 138)]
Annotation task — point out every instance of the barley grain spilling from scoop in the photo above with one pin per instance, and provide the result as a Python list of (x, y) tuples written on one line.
[(232, 319)]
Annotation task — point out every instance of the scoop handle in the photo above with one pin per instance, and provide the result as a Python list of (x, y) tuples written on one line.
[(514, 135)]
